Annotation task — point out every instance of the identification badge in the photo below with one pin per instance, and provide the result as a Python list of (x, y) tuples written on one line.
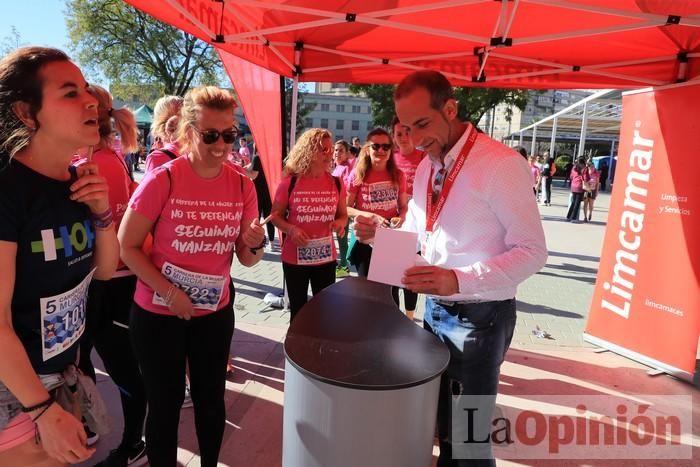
[(317, 251), (204, 290), (63, 318)]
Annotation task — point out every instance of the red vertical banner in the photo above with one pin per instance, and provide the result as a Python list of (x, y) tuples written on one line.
[(646, 303), (258, 90)]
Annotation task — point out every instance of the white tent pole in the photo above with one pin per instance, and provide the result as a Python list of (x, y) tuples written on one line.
[(421, 8), (262, 39), (652, 82), (293, 122), (584, 127), (599, 9), (183, 11), (291, 27), (520, 139), (553, 138), (588, 32), (534, 139)]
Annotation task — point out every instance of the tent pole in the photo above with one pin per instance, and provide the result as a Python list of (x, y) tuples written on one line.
[(553, 139), (533, 142), (584, 129), (293, 120)]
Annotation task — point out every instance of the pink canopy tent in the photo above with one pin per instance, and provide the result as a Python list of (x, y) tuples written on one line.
[(518, 43)]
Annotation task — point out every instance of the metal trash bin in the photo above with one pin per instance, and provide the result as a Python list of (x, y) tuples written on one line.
[(361, 382)]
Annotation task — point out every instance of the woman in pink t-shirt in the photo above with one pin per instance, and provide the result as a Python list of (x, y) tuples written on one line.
[(309, 207), (590, 190), (109, 301), (407, 158), (376, 188), (166, 117), (200, 211)]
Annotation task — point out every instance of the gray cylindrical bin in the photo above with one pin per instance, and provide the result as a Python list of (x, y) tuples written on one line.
[(361, 382)]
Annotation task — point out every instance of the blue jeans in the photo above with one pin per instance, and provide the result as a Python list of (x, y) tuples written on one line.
[(477, 336)]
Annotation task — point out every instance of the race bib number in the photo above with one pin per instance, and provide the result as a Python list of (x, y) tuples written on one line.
[(63, 318), (204, 290), (317, 251)]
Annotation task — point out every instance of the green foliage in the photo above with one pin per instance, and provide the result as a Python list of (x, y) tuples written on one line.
[(11, 42), (561, 162), (381, 101), (473, 102), (303, 109), (131, 48)]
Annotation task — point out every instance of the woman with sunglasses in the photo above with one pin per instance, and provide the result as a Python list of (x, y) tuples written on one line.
[(200, 211), (377, 189), (56, 233), (309, 207)]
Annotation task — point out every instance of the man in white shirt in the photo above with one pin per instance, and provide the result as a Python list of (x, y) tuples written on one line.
[(481, 235)]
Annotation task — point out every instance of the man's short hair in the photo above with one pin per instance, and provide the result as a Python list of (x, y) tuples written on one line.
[(435, 83)]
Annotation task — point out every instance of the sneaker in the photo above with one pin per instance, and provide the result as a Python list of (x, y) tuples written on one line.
[(134, 456), (342, 271), (188, 398), (92, 437)]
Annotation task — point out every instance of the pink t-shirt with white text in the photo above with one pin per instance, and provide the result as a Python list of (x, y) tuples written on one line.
[(312, 207), (378, 194), (198, 222), (113, 168), (408, 165), (158, 157)]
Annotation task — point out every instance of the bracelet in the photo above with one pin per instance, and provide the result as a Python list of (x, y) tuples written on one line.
[(259, 247), (169, 295), (103, 221), (34, 420), (45, 403)]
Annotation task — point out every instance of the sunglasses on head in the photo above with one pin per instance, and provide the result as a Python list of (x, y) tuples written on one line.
[(212, 136), (376, 146)]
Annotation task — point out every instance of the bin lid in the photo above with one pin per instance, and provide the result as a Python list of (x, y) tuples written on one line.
[(352, 334)]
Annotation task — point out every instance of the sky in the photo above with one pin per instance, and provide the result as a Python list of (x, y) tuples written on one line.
[(42, 22), (38, 22)]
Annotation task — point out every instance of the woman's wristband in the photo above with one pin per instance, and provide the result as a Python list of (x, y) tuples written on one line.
[(104, 220), (40, 405)]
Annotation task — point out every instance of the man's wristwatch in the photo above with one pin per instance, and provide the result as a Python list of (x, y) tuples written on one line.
[(259, 247)]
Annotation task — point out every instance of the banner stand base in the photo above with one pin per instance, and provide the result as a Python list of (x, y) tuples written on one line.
[(644, 360)]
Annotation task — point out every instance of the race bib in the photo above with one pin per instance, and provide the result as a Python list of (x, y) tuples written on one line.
[(317, 251), (204, 290), (63, 318)]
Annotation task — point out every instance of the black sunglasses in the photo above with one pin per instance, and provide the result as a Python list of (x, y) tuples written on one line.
[(376, 146), (212, 136)]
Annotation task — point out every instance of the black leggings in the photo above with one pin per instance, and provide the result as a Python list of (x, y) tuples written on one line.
[(164, 346), (363, 257), (297, 279), (410, 299), (575, 206), (265, 208), (108, 308)]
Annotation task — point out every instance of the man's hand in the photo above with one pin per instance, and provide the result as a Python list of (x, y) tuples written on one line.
[(431, 280), (364, 227)]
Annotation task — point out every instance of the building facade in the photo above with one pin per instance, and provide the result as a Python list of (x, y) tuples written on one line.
[(346, 116)]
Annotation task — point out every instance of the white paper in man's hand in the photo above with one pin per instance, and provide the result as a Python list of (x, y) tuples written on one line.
[(393, 252)]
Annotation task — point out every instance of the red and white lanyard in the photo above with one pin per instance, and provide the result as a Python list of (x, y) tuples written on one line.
[(433, 212)]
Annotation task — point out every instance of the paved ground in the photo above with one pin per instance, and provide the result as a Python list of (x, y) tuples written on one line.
[(556, 300)]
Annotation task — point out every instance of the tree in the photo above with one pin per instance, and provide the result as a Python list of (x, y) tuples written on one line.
[(302, 109), (11, 42), (131, 49), (381, 101), (473, 102)]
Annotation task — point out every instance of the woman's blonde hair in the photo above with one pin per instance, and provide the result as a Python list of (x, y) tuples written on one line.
[(210, 97), (301, 156), (166, 107), (124, 121), (363, 166)]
